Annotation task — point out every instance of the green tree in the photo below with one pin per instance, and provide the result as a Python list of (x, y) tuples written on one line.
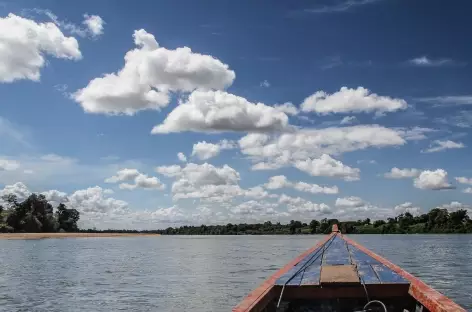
[(67, 218), (314, 224), (378, 223)]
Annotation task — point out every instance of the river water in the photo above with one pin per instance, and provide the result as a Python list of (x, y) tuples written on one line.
[(194, 273)]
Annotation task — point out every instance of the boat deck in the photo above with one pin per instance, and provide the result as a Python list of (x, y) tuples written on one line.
[(338, 274), (337, 261)]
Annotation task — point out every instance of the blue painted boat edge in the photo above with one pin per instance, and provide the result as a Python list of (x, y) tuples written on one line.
[(430, 298)]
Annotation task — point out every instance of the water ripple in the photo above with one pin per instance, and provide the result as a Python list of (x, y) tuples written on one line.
[(188, 273)]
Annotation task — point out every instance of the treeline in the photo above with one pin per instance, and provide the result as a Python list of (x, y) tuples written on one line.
[(435, 221), (34, 215)]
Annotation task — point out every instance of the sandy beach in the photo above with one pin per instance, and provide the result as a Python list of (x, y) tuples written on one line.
[(66, 235)]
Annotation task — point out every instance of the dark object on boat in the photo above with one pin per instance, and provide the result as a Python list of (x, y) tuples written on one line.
[(338, 274)]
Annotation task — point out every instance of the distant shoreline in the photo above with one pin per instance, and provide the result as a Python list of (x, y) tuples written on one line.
[(67, 235)]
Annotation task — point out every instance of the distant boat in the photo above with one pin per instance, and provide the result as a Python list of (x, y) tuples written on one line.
[(338, 274)]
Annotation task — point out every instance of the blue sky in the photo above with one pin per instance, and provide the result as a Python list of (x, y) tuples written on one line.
[(368, 86)]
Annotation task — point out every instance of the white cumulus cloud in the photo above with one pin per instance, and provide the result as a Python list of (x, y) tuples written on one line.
[(140, 180), (8, 165), (181, 156), (397, 173), (278, 182), (351, 202), (407, 207), (24, 44), (464, 180), (18, 189), (348, 100), (287, 108), (204, 150), (149, 75), (272, 152), (455, 205), (94, 24), (298, 205), (326, 166), (432, 180), (219, 111)]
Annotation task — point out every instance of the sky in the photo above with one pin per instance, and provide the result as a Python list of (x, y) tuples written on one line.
[(150, 114)]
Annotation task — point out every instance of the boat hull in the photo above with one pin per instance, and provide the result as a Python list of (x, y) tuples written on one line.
[(338, 274)]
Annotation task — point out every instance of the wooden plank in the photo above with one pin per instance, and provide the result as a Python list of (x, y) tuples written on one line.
[(433, 300), (312, 274), (360, 257), (310, 257), (386, 275), (256, 300), (336, 253), (339, 274), (307, 261), (367, 274)]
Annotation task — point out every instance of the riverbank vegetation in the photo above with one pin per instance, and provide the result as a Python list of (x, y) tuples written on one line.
[(435, 221), (36, 215)]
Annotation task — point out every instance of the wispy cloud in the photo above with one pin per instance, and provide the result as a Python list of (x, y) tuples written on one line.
[(448, 100), (10, 131), (92, 24), (264, 84), (439, 145), (339, 7), (336, 61), (331, 62), (424, 61), (462, 119), (269, 58)]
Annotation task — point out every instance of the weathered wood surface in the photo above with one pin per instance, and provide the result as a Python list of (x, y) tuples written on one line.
[(338, 252), (301, 278)]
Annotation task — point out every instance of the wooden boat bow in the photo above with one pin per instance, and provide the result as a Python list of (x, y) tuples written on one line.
[(338, 267)]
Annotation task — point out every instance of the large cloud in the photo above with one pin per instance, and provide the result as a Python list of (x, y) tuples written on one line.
[(326, 166), (202, 181), (209, 183), (219, 111), (23, 44), (348, 100), (149, 75), (204, 150), (271, 152), (95, 201), (140, 180), (432, 180), (18, 189), (278, 182)]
